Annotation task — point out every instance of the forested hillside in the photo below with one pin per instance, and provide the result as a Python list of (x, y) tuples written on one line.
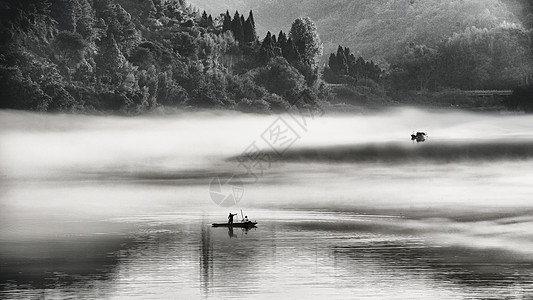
[(421, 45), (137, 55), (132, 56), (375, 28)]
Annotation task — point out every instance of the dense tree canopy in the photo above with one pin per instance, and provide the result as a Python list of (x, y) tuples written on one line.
[(133, 56), (138, 55), (344, 67), (499, 58), (305, 37)]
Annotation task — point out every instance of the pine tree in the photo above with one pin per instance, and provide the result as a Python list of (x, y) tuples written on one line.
[(204, 22), (282, 40), (291, 53), (109, 61), (332, 62), (347, 53), (342, 62), (85, 20), (236, 27), (249, 33), (267, 47), (352, 66), (367, 69), (251, 18), (243, 22), (360, 66), (227, 22)]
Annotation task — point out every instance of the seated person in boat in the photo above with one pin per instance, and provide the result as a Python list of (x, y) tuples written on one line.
[(245, 220)]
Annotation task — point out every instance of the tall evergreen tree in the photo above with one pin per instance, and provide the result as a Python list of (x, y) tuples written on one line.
[(282, 40), (204, 22), (250, 35), (267, 47), (342, 62), (351, 65), (226, 25), (85, 20), (109, 62), (249, 32), (360, 66), (332, 63), (346, 53), (251, 19), (236, 27), (291, 52)]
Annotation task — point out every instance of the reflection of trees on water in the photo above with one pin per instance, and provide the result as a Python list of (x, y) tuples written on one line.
[(477, 270), (70, 266), (206, 268), (227, 258)]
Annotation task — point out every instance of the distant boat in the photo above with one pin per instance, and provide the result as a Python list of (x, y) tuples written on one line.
[(248, 224), (419, 136)]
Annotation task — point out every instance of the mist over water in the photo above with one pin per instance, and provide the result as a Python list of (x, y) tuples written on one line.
[(35, 145), (471, 161), (468, 186)]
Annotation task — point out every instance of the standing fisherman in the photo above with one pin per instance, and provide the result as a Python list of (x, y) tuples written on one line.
[(230, 218)]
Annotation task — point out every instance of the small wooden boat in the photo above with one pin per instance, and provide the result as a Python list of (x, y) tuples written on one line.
[(248, 224), (419, 136)]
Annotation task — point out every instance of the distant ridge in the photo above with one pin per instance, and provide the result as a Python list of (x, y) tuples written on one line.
[(376, 28)]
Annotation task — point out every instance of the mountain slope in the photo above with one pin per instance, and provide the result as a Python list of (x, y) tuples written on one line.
[(375, 28)]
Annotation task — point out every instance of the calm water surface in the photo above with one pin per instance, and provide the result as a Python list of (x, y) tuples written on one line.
[(290, 254)]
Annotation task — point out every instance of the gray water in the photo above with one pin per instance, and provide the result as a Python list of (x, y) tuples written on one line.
[(117, 207)]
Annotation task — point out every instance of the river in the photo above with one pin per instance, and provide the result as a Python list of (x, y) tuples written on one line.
[(347, 205)]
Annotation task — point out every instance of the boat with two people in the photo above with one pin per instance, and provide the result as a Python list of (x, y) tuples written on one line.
[(244, 223)]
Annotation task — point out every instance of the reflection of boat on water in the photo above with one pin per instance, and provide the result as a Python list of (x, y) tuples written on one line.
[(244, 230), (419, 136), (248, 224)]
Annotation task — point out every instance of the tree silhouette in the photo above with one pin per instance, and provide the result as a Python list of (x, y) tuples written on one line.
[(236, 27), (306, 39)]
